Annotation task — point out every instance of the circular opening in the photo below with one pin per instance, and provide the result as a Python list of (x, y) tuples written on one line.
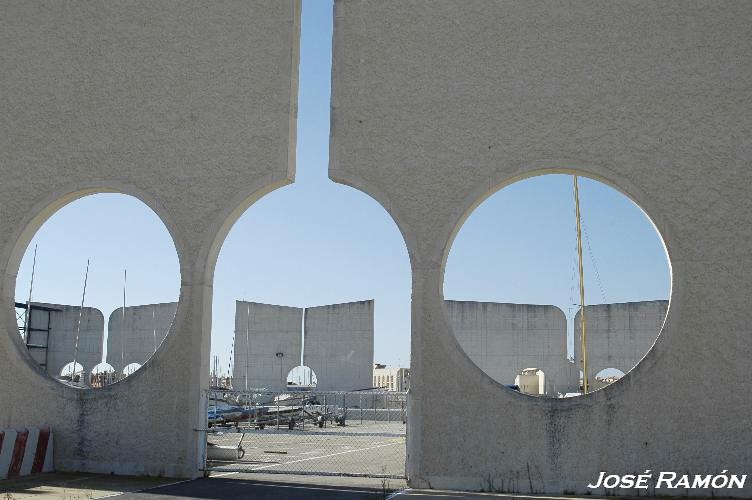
[(317, 275), (513, 276), (98, 283), (302, 378)]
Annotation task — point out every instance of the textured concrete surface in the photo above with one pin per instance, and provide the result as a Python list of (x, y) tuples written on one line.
[(189, 107), (136, 336), (61, 340), (504, 339), (338, 345), (618, 335), (261, 332), (437, 104)]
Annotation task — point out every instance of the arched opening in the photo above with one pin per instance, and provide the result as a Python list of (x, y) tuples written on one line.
[(301, 378), (513, 280), (101, 254), (130, 369), (606, 377), (313, 274), (72, 372), (102, 375)]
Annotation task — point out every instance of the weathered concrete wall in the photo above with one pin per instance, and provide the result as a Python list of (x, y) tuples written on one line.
[(145, 328), (61, 341), (504, 339), (191, 108), (436, 104), (338, 345), (262, 331), (618, 335)]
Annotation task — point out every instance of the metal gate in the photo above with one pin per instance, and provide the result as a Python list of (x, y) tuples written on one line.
[(322, 433)]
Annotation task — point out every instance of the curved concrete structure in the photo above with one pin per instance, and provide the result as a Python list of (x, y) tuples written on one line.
[(438, 103), (618, 335), (504, 339), (146, 326), (267, 344), (190, 108), (338, 345), (61, 342)]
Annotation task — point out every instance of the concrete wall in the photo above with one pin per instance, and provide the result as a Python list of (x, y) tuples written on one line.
[(62, 338), (189, 107), (618, 335), (262, 331), (145, 328), (338, 345), (437, 104), (504, 339)]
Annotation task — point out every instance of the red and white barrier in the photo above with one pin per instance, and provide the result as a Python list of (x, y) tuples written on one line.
[(25, 451)]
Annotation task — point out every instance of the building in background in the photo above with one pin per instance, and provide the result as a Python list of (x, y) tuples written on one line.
[(391, 379), (531, 381)]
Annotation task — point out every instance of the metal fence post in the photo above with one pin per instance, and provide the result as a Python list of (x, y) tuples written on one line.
[(360, 405), (388, 411), (374, 407), (277, 414)]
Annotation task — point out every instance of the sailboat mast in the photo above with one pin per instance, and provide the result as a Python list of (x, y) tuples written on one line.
[(78, 326), (583, 331), (27, 316), (122, 325), (154, 324)]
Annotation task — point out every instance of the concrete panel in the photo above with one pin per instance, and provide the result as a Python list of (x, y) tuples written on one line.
[(618, 335), (338, 345), (436, 104), (261, 332), (61, 342), (189, 107), (135, 337), (504, 339)]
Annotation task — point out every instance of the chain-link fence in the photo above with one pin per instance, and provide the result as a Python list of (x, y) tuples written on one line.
[(326, 433)]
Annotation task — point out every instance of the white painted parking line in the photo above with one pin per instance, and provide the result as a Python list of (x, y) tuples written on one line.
[(225, 474), (382, 445)]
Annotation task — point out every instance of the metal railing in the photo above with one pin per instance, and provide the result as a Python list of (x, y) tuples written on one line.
[(323, 433)]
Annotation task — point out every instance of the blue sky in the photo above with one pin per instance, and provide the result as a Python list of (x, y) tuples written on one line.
[(316, 242)]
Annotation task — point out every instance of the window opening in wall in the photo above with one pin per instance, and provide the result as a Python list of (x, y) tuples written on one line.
[(74, 273), (535, 256)]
